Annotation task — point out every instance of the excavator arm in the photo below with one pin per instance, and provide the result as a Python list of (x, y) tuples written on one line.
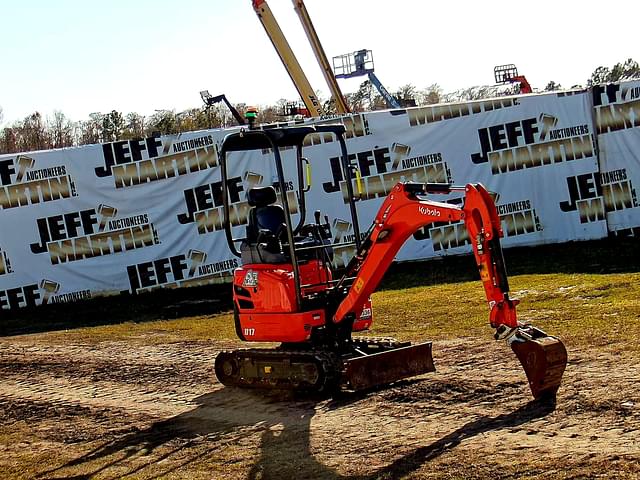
[(404, 211), (402, 214)]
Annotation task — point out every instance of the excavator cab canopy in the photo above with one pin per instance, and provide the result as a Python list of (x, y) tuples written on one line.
[(279, 137), (276, 139)]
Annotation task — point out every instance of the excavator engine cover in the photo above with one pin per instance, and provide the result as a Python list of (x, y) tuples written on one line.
[(543, 359)]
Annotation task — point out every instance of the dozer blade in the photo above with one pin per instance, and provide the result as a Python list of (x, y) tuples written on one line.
[(543, 358), (387, 366)]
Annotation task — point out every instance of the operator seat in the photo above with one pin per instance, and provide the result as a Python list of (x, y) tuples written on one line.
[(266, 223)]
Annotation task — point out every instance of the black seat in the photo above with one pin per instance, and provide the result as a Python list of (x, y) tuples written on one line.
[(264, 215), (265, 228), (267, 231)]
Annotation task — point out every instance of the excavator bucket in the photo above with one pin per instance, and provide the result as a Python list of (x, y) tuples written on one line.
[(543, 358), (387, 366)]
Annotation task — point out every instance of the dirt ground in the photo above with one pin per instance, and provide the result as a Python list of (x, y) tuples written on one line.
[(112, 410)]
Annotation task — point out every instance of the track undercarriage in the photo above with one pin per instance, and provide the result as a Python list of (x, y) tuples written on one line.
[(363, 363)]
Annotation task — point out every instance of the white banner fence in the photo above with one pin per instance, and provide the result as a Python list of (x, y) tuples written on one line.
[(132, 216)]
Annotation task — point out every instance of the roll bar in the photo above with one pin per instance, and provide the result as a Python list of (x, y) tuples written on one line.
[(276, 138)]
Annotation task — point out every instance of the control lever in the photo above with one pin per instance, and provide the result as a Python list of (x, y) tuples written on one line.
[(324, 231)]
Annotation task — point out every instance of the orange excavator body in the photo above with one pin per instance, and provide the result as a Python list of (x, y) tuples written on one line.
[(288, 291)]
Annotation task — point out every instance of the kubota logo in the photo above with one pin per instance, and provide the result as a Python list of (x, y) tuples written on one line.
[(428, 211)]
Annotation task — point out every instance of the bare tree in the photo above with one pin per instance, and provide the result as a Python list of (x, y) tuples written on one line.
[(430, 95), (163, 122), (474, 93), (33, 134), (61, 130), (134, 124), (620, 71), (552, 86), (192, 119), (407, 94), (271, 113), (90, 131), (8, 141), (365, 99)]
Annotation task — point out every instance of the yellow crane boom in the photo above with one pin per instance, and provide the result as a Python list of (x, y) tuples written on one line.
[(303, 14), (288, 58)]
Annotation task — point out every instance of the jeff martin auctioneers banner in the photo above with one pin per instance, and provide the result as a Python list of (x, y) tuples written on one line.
[(132, 216)]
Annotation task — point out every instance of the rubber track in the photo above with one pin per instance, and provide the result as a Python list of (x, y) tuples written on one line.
[(328, 364)]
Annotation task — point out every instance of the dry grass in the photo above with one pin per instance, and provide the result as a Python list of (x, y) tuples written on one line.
[(586, 293), (596, 309), (196, 328)]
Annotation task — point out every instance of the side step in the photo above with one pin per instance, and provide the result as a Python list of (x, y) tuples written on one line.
[(387, 366)]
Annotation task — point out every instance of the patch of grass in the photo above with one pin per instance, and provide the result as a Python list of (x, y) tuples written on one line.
[(430, 312), (597, 256), (586, 293), (196, 328), (22, 461), (583, 308), (158, 305)]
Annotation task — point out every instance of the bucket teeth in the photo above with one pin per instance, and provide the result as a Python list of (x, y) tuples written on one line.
[(543, 359)]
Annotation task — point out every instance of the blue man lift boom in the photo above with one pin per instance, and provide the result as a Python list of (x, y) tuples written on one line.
[(361, 63)]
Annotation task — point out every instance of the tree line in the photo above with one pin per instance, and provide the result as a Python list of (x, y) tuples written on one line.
[(35, 132)]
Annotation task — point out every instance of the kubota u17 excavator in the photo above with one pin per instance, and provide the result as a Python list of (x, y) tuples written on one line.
[(287, 290)]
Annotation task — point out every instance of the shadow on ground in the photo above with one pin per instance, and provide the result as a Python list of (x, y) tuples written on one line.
[(204, 438)]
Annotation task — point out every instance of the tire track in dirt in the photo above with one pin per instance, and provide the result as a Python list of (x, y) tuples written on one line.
[(150, 410), (150, 380)]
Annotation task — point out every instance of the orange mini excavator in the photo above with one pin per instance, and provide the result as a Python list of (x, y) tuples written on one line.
[(287, 290)]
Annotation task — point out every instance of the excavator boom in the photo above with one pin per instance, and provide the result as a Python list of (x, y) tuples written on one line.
[(404, 211)]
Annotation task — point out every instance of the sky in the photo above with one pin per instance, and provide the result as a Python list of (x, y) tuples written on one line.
[(80, 57)]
